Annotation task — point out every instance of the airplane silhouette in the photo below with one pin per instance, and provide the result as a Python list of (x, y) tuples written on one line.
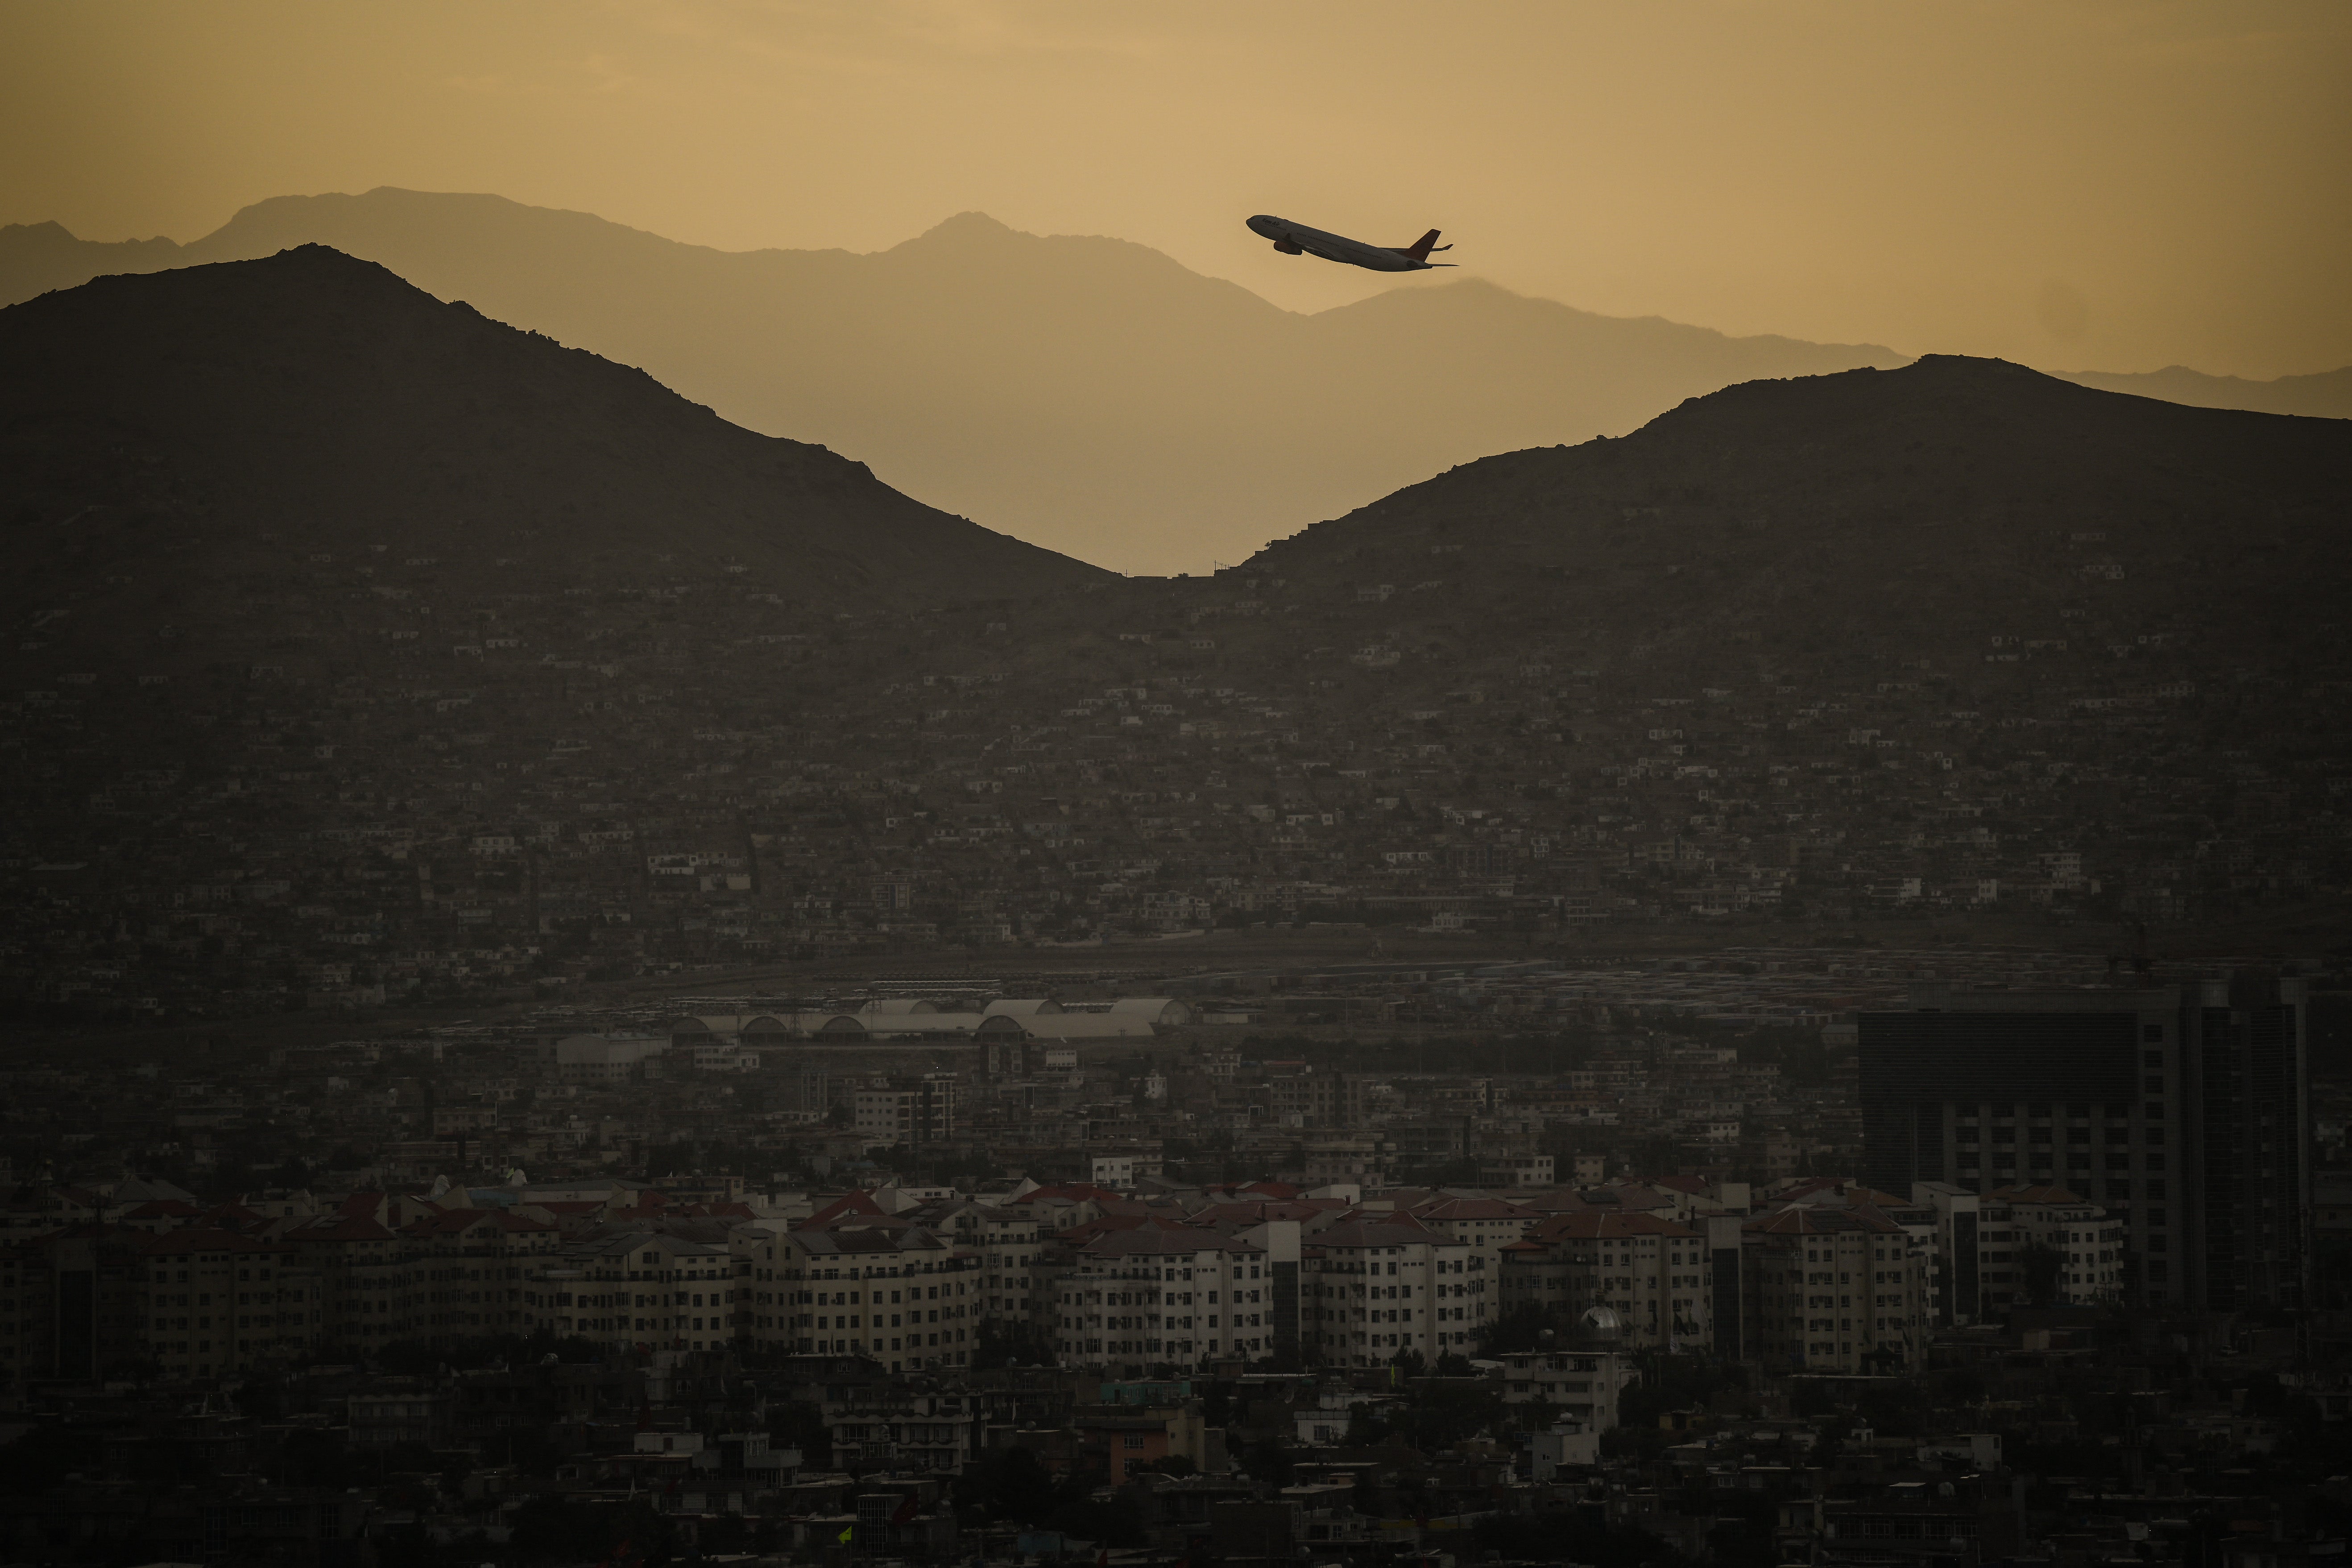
[(1297, 239)]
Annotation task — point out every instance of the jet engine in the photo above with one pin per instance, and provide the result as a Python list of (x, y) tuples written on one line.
[(1287, 248)]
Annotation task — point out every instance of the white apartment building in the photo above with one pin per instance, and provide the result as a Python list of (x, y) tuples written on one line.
[(2086, 1242), (1586, 1382), (1372, 1286), (1648, 1270), (1841, 1290), (640, 1289), (1487, 1226), (1164, 1293), (1008, 1243), (1983, 1244), (904, 1297)]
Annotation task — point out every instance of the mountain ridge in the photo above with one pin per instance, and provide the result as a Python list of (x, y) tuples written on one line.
[(1952, 643), (1178, 417), (2326, 394), (2113, 511), (181, 421)]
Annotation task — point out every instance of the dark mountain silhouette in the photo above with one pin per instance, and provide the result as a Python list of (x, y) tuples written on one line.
[(2327, 396), (1879, 515), (331, 594), (1088, 393), (217, 422)]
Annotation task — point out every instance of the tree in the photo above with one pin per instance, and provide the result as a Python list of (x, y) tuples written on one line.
[(1118, 1523), (798, 1423), (1569, 1537), (722, 1533), (1895, 1409), (2038, 1264), (415, 1358), (1674, 1383), (1008, 1484), (1268, 1461), (1010, 1347), (1217, 1406), (310, 1458), (1520, 1329), (1743, 1533), (1832, 1437), (558, 1530), (1438, 1415)]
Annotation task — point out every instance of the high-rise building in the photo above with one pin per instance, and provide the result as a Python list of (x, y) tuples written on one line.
[(2183, 1111)]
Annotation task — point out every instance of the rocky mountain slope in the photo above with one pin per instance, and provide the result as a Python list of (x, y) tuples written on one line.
[(1929, 509), (1952, 644), (307, 441)]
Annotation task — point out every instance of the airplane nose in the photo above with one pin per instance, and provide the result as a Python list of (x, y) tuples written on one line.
[(1263, 225)]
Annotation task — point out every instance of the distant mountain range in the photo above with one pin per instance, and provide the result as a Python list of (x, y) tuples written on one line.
[(179, 448), (2327, 395), (1087, 394)]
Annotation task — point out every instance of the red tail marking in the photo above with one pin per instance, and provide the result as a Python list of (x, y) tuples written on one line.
[(1420, 249)]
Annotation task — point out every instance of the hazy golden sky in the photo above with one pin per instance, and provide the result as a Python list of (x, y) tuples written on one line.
[(2100, 185)]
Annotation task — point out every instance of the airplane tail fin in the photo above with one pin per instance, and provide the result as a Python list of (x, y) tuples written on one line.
[(1420, 249)]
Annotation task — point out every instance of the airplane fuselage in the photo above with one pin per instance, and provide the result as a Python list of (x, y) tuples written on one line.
[(1296, 238)]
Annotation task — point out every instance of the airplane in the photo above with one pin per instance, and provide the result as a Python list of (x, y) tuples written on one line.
[(1296, 238)]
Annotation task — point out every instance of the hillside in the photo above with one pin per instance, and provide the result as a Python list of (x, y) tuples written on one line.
[(1927, 510), (1957, 645), (309, 430), (1087, 394)]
